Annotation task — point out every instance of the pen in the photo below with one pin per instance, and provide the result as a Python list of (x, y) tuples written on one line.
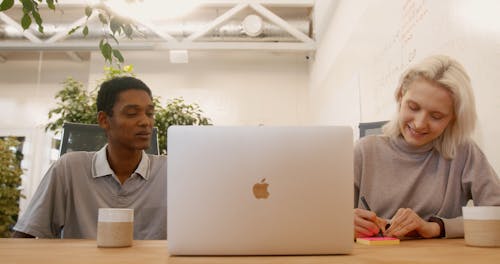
[(365, 204)]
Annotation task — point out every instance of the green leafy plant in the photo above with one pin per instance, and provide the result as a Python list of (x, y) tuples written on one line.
[(74, 104), (77, 105), (10, 181), (118, 25), (177, 112)]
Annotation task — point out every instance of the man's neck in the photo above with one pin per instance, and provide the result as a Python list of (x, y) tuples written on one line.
[(123, 161)]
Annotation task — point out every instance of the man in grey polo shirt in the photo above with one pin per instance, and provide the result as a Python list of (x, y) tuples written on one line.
[(120, 175)]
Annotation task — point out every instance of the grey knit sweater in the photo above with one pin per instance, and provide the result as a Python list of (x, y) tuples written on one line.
[(392, 174)]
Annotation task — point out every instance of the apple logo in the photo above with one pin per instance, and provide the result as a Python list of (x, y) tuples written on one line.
[(260, 189)]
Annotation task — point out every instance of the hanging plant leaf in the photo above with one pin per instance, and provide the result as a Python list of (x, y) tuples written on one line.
[(128, 30), (51, 5), (106, 51), (73, 30), (27, 6), (115, 25), (26, 21), (118, 55), (6, 4), (85, 31), (38, 20), (88, 11), (103, 19)]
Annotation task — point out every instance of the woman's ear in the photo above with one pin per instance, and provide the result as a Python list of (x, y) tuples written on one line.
[(399, 95)]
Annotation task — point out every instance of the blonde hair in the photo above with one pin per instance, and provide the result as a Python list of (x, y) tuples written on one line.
[(451, 75)]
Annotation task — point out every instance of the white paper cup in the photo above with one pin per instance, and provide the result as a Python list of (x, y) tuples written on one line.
[(482, 226), (115, 227)]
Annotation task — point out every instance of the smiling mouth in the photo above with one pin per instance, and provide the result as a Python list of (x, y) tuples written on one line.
[(416, 133)]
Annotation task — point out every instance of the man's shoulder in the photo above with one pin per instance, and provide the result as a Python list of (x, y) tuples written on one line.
[(77, 155), (158, 164), (76, 159), (157, 158)]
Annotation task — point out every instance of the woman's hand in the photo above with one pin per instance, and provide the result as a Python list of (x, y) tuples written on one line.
[(366, 223), (406, 221)]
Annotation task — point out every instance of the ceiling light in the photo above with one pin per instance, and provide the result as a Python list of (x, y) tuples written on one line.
[(252, 25)]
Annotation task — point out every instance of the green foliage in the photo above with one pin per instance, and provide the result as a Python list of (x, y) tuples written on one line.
[(117, 25), (10, 181), (6, 4), (30, 11), (75, 104), (177, 112)]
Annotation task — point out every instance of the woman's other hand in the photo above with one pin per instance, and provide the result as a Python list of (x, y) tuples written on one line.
[(406, 221)]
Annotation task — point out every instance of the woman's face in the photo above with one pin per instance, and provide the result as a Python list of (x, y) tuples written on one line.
[(426, 109)]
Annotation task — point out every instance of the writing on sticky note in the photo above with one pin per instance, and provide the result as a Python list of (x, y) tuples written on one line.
[(377, 241)]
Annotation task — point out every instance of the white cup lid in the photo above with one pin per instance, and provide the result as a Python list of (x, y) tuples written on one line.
[(481, 212), (115, 215)]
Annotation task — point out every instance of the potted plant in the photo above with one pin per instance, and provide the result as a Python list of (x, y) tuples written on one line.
[(10, 182), (76, 104), (177, 112)]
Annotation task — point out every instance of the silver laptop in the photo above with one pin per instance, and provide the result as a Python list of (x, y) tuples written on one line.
[(260, 190)]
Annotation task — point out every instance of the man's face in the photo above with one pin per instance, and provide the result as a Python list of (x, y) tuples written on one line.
[(131, 124)]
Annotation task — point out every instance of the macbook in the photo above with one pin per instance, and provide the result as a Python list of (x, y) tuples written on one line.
[(260, 190)]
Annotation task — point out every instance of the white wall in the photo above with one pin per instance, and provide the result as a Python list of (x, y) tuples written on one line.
[(27, 89), (368, 45), (233, 88), (334, 75)]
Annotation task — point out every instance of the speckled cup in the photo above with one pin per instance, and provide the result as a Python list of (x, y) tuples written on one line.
[(115, 227), (482, 226)]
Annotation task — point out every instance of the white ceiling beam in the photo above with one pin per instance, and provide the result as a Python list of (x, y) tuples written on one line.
[(271, 46), (216, 22), (74, 56), (63, 34), (27, 34), (87, 45), (61, 3), (156, 30), (281, 23), (288, 3), (137, 45)]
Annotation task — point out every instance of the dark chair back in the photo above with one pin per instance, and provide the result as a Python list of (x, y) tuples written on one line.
[(90, 137), (371, 128)]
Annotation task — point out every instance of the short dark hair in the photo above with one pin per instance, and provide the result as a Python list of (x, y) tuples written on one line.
[(110, 89)]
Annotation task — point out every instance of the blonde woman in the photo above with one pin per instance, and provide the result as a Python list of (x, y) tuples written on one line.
[(425, 167)]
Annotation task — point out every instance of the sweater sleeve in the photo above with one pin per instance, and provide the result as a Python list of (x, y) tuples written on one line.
[(479, 178), (44, 217), (453, 227), (479, 182)]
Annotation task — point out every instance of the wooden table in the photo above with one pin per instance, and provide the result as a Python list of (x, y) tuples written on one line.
[(55, 251)]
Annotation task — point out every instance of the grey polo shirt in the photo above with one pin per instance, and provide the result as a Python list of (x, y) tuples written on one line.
[(66, 203)]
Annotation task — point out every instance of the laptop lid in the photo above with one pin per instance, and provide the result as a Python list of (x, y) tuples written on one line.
[(260, 190)]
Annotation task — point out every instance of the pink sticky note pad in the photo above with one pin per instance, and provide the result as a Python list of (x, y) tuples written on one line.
[(378, 240)]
